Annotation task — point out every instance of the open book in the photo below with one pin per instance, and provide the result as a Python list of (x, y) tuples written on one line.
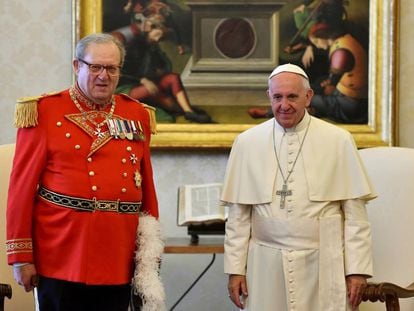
[(200, 204)]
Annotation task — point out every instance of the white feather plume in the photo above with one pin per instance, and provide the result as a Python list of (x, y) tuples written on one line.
[(150, 247)]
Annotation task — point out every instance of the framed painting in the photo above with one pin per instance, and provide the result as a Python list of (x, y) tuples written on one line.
[(223, 51)]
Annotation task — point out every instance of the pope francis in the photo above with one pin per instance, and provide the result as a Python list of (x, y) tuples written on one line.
[(297, 235)]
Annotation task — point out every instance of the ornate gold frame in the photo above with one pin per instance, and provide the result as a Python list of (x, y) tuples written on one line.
[(381, 130)]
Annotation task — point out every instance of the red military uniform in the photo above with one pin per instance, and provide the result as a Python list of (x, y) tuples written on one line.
[(67, 155)]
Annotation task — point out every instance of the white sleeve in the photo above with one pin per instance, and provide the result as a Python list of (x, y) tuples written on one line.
[(357, 238), (236, 241)]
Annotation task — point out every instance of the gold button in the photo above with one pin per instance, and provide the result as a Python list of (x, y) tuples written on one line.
[(67, 135), (59, 123), (123, 190), (91, 173), (123, 161), (129, 148), (94, 188), (125, 174), (77, 147), (89, 159)]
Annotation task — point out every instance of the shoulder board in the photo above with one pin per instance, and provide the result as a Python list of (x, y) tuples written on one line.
[(28, 99), (153, 120), (151, 111), (129, 97), (26, 110)]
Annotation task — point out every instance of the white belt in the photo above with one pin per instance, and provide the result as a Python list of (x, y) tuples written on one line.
[(295, 234)]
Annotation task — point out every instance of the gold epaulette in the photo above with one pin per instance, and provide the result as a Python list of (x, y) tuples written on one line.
[(25, 114), (153, 120)]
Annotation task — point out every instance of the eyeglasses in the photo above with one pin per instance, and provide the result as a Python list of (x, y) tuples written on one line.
[(98, 68)]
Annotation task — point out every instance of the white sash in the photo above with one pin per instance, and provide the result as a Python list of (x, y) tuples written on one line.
[(300, 234)]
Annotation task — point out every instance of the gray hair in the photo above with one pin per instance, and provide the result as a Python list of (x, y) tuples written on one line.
[(99, 38)]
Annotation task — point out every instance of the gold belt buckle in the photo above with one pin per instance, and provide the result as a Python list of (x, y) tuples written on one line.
[(106, 205)]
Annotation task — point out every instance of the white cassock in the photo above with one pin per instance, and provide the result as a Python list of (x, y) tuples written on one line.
[(296, 256)]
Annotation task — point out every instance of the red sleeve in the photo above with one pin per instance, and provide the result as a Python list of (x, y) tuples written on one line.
[(149, 197), (341, 61), (28, 164)]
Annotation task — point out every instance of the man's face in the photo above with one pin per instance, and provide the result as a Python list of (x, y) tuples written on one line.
[(98, 87), (289, 98)]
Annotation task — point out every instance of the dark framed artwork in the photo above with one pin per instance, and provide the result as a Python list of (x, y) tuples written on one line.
[(223, 52)]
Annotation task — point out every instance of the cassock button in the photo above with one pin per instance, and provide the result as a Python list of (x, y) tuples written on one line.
[(89, 159), (58, 124), (67, 135), (123, 190), (123, 161), (125, 174), (94, 188), (77, 147), (91, 173), (129, 148)]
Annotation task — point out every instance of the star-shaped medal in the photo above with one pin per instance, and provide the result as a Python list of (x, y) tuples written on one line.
[(137, 179)]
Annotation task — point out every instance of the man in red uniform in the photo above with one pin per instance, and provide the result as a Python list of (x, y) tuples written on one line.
[(81, 179)]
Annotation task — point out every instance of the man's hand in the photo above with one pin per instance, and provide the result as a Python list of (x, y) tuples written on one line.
[(355, 285), (237, 289), (308, 56), (26, 276)]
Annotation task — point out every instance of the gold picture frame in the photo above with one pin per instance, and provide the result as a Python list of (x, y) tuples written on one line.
[(381, 129)]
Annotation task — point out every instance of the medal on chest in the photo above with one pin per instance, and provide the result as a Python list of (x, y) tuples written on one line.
[(125, 129), (137, 179)]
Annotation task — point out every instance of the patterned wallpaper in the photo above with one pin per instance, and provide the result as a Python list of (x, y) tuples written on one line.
[(35, 57)]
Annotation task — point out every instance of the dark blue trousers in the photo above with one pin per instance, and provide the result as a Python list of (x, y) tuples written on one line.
[(59, 295)]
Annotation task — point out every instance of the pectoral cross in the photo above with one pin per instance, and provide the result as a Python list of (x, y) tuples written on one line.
[(283, 194)]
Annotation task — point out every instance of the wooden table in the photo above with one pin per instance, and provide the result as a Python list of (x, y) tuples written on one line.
[(184, 246), (203, 246)]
